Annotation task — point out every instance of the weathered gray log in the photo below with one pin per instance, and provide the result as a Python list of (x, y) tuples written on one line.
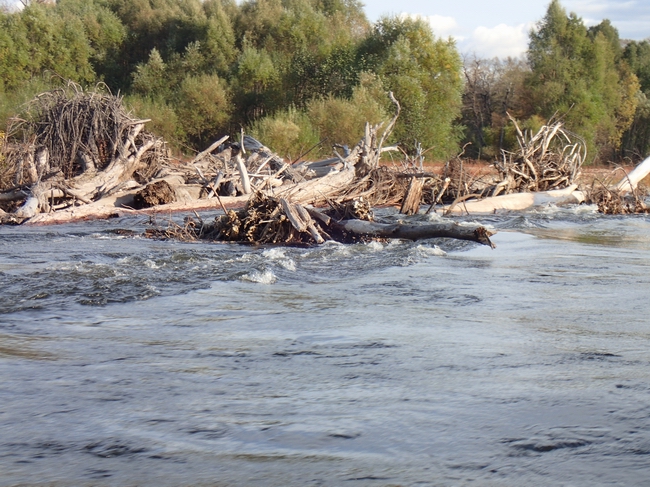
[(315, 164), (94, 186), (362, 228), (474, 233), (204, 153), (318, 190), (13, 195)]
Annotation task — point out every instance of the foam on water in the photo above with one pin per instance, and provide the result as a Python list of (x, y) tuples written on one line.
[(278, 255), (261, 277)]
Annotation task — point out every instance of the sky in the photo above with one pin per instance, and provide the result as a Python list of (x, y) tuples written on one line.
[(499, 28)]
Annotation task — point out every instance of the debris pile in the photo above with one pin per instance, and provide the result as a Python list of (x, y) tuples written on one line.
[(76, 154), (74, 147), (269, 220), (549, 160)]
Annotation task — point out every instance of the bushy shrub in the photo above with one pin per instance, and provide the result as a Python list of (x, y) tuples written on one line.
[(11, 101), (164, 121), (203, 107), (342, 121), (289, 133)]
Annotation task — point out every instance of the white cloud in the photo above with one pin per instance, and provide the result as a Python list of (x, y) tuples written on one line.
[(500, 41), (442, 26)]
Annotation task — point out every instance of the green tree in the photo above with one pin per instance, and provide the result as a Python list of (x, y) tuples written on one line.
[(150, 78), (218, 42), (636, 141), (342, 120), (104, 31), (39, 39), (312, 43), (288, 132), (425, 75), (575, 73), (166, 25), (256, 78), (637, 55), (203, 107), (164, 120)]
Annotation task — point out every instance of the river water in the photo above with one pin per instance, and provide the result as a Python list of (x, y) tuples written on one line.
[(132, 362)]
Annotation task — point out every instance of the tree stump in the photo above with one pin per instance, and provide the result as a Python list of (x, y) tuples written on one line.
[(412, 197), (154, 194)]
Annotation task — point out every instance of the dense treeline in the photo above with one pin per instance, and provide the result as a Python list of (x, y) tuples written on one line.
[(294, 72), (299, 72)]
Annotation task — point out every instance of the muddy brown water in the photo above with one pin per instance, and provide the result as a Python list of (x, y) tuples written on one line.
[(131, 362)]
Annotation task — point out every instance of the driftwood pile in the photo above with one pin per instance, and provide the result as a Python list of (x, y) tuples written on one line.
[(268, 220), (626, 197), (78, 154), (549, 160), (71, 147)]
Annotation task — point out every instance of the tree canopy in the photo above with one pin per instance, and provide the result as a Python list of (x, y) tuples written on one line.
[(576, 72), (203, 68)]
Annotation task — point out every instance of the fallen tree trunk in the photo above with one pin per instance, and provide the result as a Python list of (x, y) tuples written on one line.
[(518, 201), (314, 191), (359, 229)]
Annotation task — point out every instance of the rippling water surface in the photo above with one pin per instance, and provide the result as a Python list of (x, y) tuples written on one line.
[(131, 362)]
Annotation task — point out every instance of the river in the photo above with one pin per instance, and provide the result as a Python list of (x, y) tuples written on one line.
[(132, 362)]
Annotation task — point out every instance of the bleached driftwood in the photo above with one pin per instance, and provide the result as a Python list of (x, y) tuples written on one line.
[(518, 201), (631, 181)]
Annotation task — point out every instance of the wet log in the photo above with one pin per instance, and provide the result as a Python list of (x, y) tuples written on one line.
[(418, 232), (362, 228)]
